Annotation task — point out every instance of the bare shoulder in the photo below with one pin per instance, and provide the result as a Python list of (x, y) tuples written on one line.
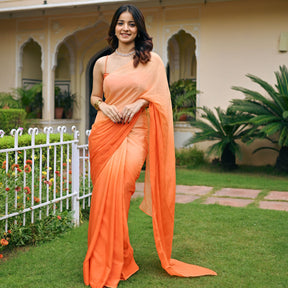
[(100, 65)]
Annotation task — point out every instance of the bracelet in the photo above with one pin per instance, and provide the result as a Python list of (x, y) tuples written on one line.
[(97, 103)]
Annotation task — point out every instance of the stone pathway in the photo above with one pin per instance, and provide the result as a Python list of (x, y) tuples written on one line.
[(274, 200)]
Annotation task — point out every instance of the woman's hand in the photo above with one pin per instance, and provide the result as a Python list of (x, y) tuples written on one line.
[(111, 112), (130, 110)]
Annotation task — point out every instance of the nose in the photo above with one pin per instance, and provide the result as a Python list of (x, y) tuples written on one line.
[(126, 26)]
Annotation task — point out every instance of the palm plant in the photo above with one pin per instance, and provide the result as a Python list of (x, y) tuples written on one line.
[(183, 98), (31, 99), (269, 115), (222, 129)]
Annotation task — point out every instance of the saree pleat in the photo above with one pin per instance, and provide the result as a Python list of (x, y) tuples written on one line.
[(117, 153)]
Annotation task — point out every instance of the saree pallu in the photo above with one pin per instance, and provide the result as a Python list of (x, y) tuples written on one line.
[(117, 153)]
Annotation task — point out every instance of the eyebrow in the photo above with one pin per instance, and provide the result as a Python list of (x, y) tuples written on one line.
[(132, 21)]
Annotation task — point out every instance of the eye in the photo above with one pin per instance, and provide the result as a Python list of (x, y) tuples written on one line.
[(132, 24)]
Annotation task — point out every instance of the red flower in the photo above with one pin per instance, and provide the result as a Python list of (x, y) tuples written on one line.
[(7, 188), (19, 170), (1, 256), (14, 166), (4, 164), (48, 182), (57, 172), (59, 217), (64, 164), (28, 198), (70, 172), (9, 231), (4, 242), (28, 161), (27, 168), (37, 200), (18, 188), (27, 189)]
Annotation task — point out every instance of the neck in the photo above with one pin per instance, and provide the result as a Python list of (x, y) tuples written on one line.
[(125, 49)]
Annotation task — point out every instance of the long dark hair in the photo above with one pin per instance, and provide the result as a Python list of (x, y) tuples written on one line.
[(143, 42)]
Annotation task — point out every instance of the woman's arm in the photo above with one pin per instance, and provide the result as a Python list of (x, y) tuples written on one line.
[(110, 111)]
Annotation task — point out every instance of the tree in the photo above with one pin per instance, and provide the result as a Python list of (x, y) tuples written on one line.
[(268, 114), (222, 129)]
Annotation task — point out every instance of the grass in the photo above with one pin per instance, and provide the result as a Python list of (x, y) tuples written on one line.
[(246, 247), (244, 177)]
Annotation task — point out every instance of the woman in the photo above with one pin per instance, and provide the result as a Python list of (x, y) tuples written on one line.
[(122, 137)]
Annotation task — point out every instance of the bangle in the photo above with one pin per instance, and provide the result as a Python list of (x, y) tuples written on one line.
[(97, 103)]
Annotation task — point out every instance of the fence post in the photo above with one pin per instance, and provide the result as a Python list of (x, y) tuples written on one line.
[(75, 177)]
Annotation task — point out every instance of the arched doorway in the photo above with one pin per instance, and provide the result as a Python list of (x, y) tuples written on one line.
[(92, 110), (182, 60), (31, 56)]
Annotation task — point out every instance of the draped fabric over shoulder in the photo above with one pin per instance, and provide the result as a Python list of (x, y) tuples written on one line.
[(117, 153)]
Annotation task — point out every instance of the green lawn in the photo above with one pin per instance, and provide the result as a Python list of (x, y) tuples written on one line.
[(241, 178), (247, 247)]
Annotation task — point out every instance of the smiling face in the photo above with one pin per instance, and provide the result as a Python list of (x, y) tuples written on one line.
[(126, 29)]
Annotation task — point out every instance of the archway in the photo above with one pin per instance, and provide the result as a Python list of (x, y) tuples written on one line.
[(81, 45), (63, 106), (182, 60), (31, 58)]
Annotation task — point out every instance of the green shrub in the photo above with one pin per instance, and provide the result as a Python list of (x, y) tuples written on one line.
[(31, 100), (42, 230), (7, 100), (190, 157), (11, 118)]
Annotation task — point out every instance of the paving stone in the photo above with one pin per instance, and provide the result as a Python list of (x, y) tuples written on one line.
[(137, 195), (228, 201), (181, 198), (235, 192), (139, 186), (277, 195), (195, 190), (274, 205), (186, 194)]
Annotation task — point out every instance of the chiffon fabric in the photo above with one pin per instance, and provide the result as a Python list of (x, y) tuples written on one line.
[(117, 154)]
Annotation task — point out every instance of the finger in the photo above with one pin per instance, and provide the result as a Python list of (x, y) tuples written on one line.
[(130, 118), (127, 117), (116, 115)]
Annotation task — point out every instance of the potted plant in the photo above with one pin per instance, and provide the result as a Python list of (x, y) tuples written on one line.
[(69, 101), (183, 97), (59, 103)]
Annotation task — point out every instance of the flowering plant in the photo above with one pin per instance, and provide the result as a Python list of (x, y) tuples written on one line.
[(21, 189)]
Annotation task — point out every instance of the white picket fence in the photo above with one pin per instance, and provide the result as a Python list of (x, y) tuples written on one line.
[(44, 178)]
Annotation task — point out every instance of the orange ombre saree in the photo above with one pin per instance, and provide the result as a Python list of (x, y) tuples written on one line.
[(117, 153)]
